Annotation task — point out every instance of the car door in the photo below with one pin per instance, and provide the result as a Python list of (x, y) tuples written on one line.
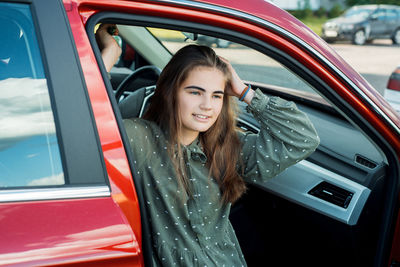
[(378, 23), (56, 203), (392, 21)]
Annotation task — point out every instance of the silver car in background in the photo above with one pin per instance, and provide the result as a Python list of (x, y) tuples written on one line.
[(364, 23)]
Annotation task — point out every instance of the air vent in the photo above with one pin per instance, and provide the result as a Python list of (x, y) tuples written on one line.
[(332, 194), (365, 162)]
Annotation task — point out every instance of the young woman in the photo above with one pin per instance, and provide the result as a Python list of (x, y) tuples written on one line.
[(194, 162)]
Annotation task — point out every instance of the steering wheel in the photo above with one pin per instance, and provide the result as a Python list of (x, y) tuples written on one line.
[(134, 76)]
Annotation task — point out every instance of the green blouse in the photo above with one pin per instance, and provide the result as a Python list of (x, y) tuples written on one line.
[(195, 230)]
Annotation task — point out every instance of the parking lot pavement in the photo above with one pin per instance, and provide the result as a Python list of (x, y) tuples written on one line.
[(374, 61)]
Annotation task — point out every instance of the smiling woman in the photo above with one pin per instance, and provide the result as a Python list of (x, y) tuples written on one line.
[(200, 100), (194, 162)]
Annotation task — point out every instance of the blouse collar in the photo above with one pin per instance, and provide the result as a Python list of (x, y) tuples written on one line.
[(195, 151)]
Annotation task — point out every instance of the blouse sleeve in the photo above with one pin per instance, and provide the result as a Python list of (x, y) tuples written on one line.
[(286, 136), (141, 139)]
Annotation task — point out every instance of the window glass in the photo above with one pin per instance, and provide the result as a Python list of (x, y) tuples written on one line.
[(380, 14), (29, 152), (250, 64), (391, 14)]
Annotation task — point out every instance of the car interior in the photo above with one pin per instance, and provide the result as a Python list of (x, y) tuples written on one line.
[(324, 211)]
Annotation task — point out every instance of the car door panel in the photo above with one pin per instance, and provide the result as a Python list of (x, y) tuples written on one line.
[(68, 232), (378, 23), (80, 220)]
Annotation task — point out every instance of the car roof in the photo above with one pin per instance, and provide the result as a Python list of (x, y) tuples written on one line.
[(375, 6)]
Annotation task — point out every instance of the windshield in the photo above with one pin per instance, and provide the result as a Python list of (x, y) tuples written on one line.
[(361, 13)]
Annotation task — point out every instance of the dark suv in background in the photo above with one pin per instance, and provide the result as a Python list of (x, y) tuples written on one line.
[(364, 23)]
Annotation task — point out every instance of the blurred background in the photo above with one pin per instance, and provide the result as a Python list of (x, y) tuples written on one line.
[(376, 58)]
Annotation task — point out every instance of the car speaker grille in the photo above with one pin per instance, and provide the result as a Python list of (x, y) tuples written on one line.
[(365, 162), (332, 194)]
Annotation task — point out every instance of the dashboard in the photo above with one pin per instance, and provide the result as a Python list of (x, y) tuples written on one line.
[(337, 179)]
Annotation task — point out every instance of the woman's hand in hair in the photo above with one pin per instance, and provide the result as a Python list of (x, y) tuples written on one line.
[(237, 85), (110, 50)]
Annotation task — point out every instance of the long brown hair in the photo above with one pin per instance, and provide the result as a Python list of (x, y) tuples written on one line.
[(220, 143)]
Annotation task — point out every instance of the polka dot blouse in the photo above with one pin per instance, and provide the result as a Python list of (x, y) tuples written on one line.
[(195, 230)]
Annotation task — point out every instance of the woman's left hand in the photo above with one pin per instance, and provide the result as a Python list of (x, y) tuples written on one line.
[(237, 85)]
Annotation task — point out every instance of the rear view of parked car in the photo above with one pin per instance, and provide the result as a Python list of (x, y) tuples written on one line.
[(364, 23), (392, 91)]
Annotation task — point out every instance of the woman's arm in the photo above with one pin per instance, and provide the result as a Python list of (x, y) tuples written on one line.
[(286, 134), (110, 50)]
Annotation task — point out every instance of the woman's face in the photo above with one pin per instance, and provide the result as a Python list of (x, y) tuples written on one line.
[(200, 99)]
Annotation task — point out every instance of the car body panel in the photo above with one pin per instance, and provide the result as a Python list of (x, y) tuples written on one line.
[(58, 227), (99, 234), (121, 182)]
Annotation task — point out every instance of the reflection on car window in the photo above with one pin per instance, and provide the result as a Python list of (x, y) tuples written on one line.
[(29, 152), (380, 14), (391, 14), (250, 64), (358, 12)]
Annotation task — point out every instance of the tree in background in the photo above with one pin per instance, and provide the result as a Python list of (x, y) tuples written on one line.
[(335, 11), (320, 12), (303, 10), (364, 2)]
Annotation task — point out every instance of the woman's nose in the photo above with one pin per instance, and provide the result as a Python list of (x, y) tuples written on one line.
[(206, 103)]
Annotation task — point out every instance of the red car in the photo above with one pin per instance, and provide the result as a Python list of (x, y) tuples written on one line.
[(392, 91), (68, 194)]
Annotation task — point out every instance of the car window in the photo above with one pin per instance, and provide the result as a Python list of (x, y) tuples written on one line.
[(250, 64), (391, 14), (29, 151), (380, 14), (358, 12)]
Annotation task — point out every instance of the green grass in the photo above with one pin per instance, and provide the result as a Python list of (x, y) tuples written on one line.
[(315, 23)]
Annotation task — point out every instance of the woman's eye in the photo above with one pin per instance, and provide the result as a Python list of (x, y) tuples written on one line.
[(194, 93), (217, 96)]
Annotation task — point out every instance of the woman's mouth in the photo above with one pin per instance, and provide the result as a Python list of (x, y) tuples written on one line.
[(201, 117)]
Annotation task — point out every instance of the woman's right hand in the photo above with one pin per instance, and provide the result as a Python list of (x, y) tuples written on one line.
[(110, 50)]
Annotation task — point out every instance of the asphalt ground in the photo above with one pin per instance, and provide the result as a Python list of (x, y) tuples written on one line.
[(374, 61)]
